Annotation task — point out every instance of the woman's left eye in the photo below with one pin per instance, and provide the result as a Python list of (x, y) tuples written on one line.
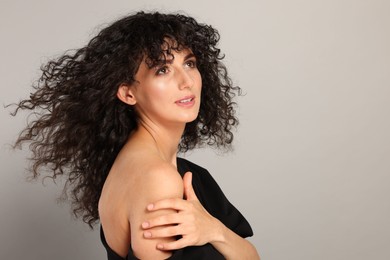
[(191, 63)]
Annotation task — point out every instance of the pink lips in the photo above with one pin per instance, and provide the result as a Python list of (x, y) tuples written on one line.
[(188, 101)]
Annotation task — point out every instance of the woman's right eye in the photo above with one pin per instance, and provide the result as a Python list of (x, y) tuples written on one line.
[(161, 71)]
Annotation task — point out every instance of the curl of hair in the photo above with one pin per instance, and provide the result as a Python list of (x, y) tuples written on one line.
[(80, 123)]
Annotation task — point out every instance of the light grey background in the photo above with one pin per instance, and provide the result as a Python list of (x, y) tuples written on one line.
[(311, 165)]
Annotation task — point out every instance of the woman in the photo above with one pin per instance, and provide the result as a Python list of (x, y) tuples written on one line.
[(113, 116)]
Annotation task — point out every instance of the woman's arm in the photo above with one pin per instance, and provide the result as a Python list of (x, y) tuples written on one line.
[(154, 183), (232, 246), (196, 226)]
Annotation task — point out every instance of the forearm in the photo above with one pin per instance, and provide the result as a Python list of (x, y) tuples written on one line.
[(232, 246)]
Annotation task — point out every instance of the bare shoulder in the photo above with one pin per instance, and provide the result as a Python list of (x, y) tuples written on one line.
[(151, 182), (155, 179), (140, 178), (133, 183)]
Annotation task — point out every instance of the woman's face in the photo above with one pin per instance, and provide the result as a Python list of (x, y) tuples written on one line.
[(169, 93)]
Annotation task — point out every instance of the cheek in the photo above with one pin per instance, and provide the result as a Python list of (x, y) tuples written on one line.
[(161, 90), (156, 90)]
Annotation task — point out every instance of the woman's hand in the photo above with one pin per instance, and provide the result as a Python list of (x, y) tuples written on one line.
[(191, 221)]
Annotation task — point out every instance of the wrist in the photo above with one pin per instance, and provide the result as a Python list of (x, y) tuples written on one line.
[(219, 234)]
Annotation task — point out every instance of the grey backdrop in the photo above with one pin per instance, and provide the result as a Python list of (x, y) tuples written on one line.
[(311, 165)]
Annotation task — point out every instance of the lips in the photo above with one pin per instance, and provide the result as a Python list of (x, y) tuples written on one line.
[(186, 101)]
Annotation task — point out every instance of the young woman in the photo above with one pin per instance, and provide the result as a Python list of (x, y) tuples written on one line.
[(112, 117)]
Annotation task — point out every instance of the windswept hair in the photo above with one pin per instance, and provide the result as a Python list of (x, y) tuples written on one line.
[(81, 125)]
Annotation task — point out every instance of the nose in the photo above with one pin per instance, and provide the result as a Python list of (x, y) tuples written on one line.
[(184, 79)]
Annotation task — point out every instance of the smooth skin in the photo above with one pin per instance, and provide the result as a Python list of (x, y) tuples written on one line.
[(196, 226), (142, 203)]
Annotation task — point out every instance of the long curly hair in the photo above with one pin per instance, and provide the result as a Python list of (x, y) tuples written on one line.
[(80, 125)]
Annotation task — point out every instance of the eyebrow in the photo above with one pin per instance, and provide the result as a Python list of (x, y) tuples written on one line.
[(188, 56)]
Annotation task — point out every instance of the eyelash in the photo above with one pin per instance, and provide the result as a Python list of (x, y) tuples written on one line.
[(192, 62), (163, 70), (160, 70)]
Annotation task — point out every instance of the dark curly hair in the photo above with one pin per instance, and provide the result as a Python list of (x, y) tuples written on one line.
[(81, 125)]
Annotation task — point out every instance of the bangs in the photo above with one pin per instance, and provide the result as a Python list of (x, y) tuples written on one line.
[(154, 37), (163, 54)]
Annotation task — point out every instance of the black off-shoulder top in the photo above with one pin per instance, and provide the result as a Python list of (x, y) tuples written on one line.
[(214, 201)]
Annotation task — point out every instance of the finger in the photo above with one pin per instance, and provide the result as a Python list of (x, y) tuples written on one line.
[(177, 244), (189, 192), (168, 231), (175, 203), (162, 221)]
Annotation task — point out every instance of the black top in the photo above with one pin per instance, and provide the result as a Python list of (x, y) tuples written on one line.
[(214, 201)]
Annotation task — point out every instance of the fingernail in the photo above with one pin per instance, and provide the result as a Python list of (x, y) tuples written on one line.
[(150, 206), (147, 234), (145, 225), (159, 246)]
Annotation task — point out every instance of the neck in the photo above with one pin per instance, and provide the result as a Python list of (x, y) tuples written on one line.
[(165, 138)]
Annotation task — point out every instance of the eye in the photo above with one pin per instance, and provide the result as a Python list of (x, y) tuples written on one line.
[(162, 70), (191, 63)]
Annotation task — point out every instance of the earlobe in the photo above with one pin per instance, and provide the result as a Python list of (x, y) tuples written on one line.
[(125, 94)]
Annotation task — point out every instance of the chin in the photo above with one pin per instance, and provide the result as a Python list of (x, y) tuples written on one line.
[(192, 120), (192, 117), (188, 119)]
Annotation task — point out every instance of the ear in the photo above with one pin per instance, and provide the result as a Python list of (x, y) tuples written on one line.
[(126, 95)]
